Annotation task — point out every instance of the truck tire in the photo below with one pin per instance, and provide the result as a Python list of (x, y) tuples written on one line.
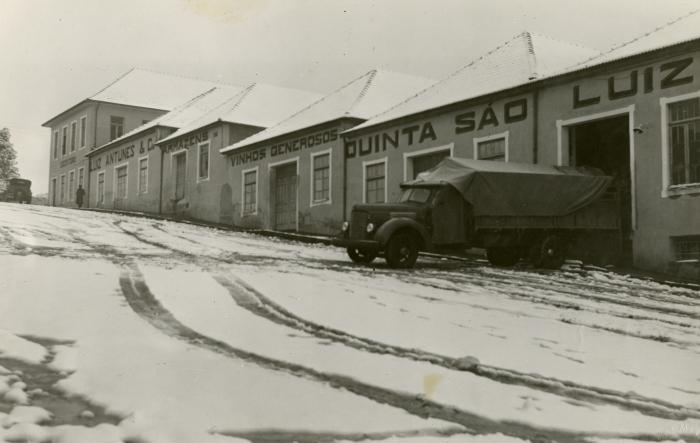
[(550, 252), (502, 256), (402, 250), (363, 256)]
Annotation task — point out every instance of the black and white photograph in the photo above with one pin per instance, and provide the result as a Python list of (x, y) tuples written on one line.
[(351, 221)]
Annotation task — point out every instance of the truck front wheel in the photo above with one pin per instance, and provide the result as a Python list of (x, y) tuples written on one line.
[(402, 250), (502, 256), (358, 255)]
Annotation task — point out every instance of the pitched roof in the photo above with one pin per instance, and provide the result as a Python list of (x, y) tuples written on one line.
[(182, 114), (148, 89), (259, 104), (679, 30), (525, 58), (361, 98)]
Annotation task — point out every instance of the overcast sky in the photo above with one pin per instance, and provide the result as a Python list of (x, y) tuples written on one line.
[(56, 53)]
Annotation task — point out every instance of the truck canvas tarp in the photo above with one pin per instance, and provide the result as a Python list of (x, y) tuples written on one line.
[(517, 189)]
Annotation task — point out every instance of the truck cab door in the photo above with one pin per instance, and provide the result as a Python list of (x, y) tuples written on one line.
[(448, 213)]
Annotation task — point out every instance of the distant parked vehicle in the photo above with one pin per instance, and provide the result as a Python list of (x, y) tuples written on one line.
[(513, 210), (16, 190)]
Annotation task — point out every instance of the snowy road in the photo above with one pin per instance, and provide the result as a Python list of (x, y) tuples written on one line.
[(121, 329)]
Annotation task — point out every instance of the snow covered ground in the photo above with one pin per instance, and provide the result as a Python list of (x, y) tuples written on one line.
[(122, 329)]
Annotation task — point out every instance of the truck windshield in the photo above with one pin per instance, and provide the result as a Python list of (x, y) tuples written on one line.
[(415, 195)]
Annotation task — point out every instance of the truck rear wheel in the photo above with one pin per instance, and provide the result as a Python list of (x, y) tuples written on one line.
[(358, 255), (402, 250), (550, 252), (502, 256)]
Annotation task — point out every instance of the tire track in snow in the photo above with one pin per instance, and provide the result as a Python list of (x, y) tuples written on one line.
[(249, 298), (263, 306), (144, 303)]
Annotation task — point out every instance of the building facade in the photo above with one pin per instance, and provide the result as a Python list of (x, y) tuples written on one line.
[(77, 131)]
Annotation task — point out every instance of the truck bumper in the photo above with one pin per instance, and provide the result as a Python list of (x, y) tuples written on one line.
[(344, 242)]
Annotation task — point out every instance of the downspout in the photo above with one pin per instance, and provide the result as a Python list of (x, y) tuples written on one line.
[(89, 162), (345, 178), (535, 124), (160, 186)]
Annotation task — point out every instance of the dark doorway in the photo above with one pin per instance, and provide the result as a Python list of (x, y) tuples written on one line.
[(424, 162), (180, 175), (605, 144), (286, 197)]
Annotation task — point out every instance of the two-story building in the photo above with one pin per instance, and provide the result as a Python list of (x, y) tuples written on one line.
[(130, 101)]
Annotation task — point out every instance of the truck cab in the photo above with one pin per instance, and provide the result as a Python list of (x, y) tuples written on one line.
[(425, 218), (16, 190)]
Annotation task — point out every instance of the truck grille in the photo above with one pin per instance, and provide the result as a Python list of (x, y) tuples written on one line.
[(358, 224)]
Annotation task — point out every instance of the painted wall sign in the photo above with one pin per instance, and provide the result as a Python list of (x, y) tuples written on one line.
[(248, 156), (68, 161), (286, 147), (305, 142), (185, 142), (511, 112), (671, 74), (116, 156)]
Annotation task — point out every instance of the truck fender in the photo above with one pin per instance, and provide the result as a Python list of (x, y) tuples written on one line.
[(386, 230)]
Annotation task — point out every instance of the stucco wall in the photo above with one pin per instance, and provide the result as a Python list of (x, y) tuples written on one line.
[(657, 218), (456, 129), (128, 153), (210, 199), (317, 218)]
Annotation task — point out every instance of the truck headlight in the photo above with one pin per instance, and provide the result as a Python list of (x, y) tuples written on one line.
[(370, 227), (345, 226)]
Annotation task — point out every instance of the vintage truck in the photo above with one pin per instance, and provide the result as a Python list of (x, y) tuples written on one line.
[(512, 210), (16, 190)]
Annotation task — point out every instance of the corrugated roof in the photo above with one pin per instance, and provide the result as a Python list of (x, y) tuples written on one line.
[(679, 30), (525, 58), (361, 98), (182, 114), (259, 104)]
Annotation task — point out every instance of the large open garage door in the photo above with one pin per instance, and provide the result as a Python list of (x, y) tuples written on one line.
[(605, 144), (285, 201)]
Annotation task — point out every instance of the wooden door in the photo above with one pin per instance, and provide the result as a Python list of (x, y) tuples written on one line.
[(286, 197)]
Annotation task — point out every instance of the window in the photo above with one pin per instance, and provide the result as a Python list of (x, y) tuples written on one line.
[(62, 190), (684, 141), (55, 145), (203, 162), (116, 127), (71, 185), (73, 135), (121, 182), (101, 188), (143, 175), (149, 143), (687, 247), (494, 149), (64, 140), (83, 130), (424, 159), (250, 190), (321, 180), (81, 177), (375, 182)]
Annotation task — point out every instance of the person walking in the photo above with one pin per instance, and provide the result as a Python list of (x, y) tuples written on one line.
[(79, 194)]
